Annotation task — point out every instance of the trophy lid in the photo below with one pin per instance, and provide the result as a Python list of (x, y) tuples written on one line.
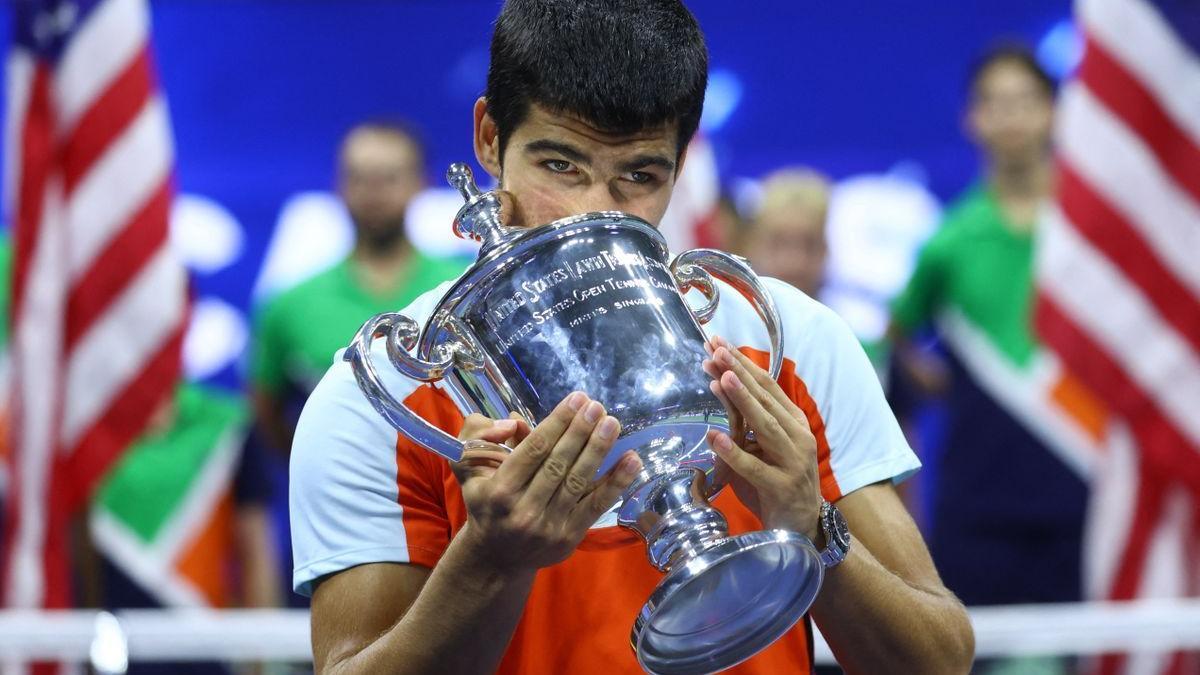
[(479, 218)]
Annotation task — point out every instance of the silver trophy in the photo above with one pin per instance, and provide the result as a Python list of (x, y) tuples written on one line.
[(594, 303)]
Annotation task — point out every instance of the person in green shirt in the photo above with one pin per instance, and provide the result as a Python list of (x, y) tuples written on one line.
[(1007, 512), (381, 169)]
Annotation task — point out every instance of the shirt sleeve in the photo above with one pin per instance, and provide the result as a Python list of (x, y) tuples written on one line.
[(343, 491), (358, 494), (915, 305)]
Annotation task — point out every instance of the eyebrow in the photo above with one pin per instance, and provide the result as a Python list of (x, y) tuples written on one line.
[(643, 161), (570, 152)]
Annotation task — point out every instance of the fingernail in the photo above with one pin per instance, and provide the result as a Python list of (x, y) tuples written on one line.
[(576, 400), (630, 464), (593, 412), (723, 443), (725, 356), (708, 348), (731, 380), (720, 341), (608, 428), (506, 424)]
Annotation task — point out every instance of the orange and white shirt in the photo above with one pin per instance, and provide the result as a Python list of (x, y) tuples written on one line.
[(361, 493)]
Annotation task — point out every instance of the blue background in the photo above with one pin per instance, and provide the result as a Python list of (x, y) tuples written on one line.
[(261, 91)]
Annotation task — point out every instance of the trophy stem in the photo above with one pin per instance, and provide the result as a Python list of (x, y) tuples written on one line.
[(723, 598), (676, 519)]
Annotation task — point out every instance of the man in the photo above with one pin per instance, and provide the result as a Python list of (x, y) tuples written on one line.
[(787, 235), (381, 169), (414, 569), (1008, 511)]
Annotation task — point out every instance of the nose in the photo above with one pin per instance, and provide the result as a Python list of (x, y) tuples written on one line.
[(596, 197)]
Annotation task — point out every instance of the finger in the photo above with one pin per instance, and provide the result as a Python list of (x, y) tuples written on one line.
[(751, 370), (480, 459), (522, 432), (731, 411), (553, 471), (481, 428), (756, 472), (772, 435), (579, 480), (607, 491), (532, 450), (757, 381)]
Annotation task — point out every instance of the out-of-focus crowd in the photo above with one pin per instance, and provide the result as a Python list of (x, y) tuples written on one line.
[(1002, 511)]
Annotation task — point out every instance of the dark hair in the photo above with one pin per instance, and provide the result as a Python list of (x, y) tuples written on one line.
[(393, 126), (621, 65), (1010, 52)]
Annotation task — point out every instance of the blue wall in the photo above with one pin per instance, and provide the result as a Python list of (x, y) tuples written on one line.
[(260, 91)]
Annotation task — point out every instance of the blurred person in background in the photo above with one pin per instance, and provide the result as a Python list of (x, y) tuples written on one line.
[(786, 238), (182, 520), (1008, 511), (381, 169)]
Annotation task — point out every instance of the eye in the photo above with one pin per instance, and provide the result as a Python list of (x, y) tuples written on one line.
[(558, 165), (640, 177)]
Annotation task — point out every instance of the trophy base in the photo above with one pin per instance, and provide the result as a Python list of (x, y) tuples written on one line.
[(727, 602)]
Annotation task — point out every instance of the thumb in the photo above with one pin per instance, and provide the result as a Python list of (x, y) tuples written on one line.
[(480, 459)]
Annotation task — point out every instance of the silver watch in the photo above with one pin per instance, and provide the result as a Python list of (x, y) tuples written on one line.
[(837, 535)]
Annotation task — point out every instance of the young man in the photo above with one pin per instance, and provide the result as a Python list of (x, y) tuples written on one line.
[(417, 569), (1008, 510)]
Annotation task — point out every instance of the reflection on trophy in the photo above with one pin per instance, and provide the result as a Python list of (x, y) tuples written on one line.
[(594, 303)]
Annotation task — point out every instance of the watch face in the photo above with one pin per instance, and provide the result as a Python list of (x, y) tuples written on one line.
[(836, 528)]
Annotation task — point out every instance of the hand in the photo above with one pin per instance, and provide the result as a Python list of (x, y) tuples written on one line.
[(927, 371), (530, 508), (775, 475)]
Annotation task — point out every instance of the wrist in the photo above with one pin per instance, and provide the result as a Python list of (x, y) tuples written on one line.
[(836, 535), (481, 560), (807, 523)]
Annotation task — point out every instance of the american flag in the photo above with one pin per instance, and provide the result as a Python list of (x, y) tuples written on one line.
[(1119, 291), (99, 303)]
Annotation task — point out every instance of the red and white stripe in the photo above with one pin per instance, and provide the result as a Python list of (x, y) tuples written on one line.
[(1119, 294), (99, 304)]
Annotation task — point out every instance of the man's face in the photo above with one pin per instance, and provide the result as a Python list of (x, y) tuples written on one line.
[(380, 174), (1011, 115), (558, 165), (791, 247)]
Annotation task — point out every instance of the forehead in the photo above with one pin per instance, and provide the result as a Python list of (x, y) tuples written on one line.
[(1007, 76), (377, 145), (792, 222), (542, 123)]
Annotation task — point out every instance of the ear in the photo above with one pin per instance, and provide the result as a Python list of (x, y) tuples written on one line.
[(487, 139)]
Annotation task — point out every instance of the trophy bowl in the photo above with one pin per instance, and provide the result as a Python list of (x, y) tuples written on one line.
[(594, 303)]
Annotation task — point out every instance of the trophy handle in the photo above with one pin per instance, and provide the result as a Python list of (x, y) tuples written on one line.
[(402, 334), (696, 268)]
